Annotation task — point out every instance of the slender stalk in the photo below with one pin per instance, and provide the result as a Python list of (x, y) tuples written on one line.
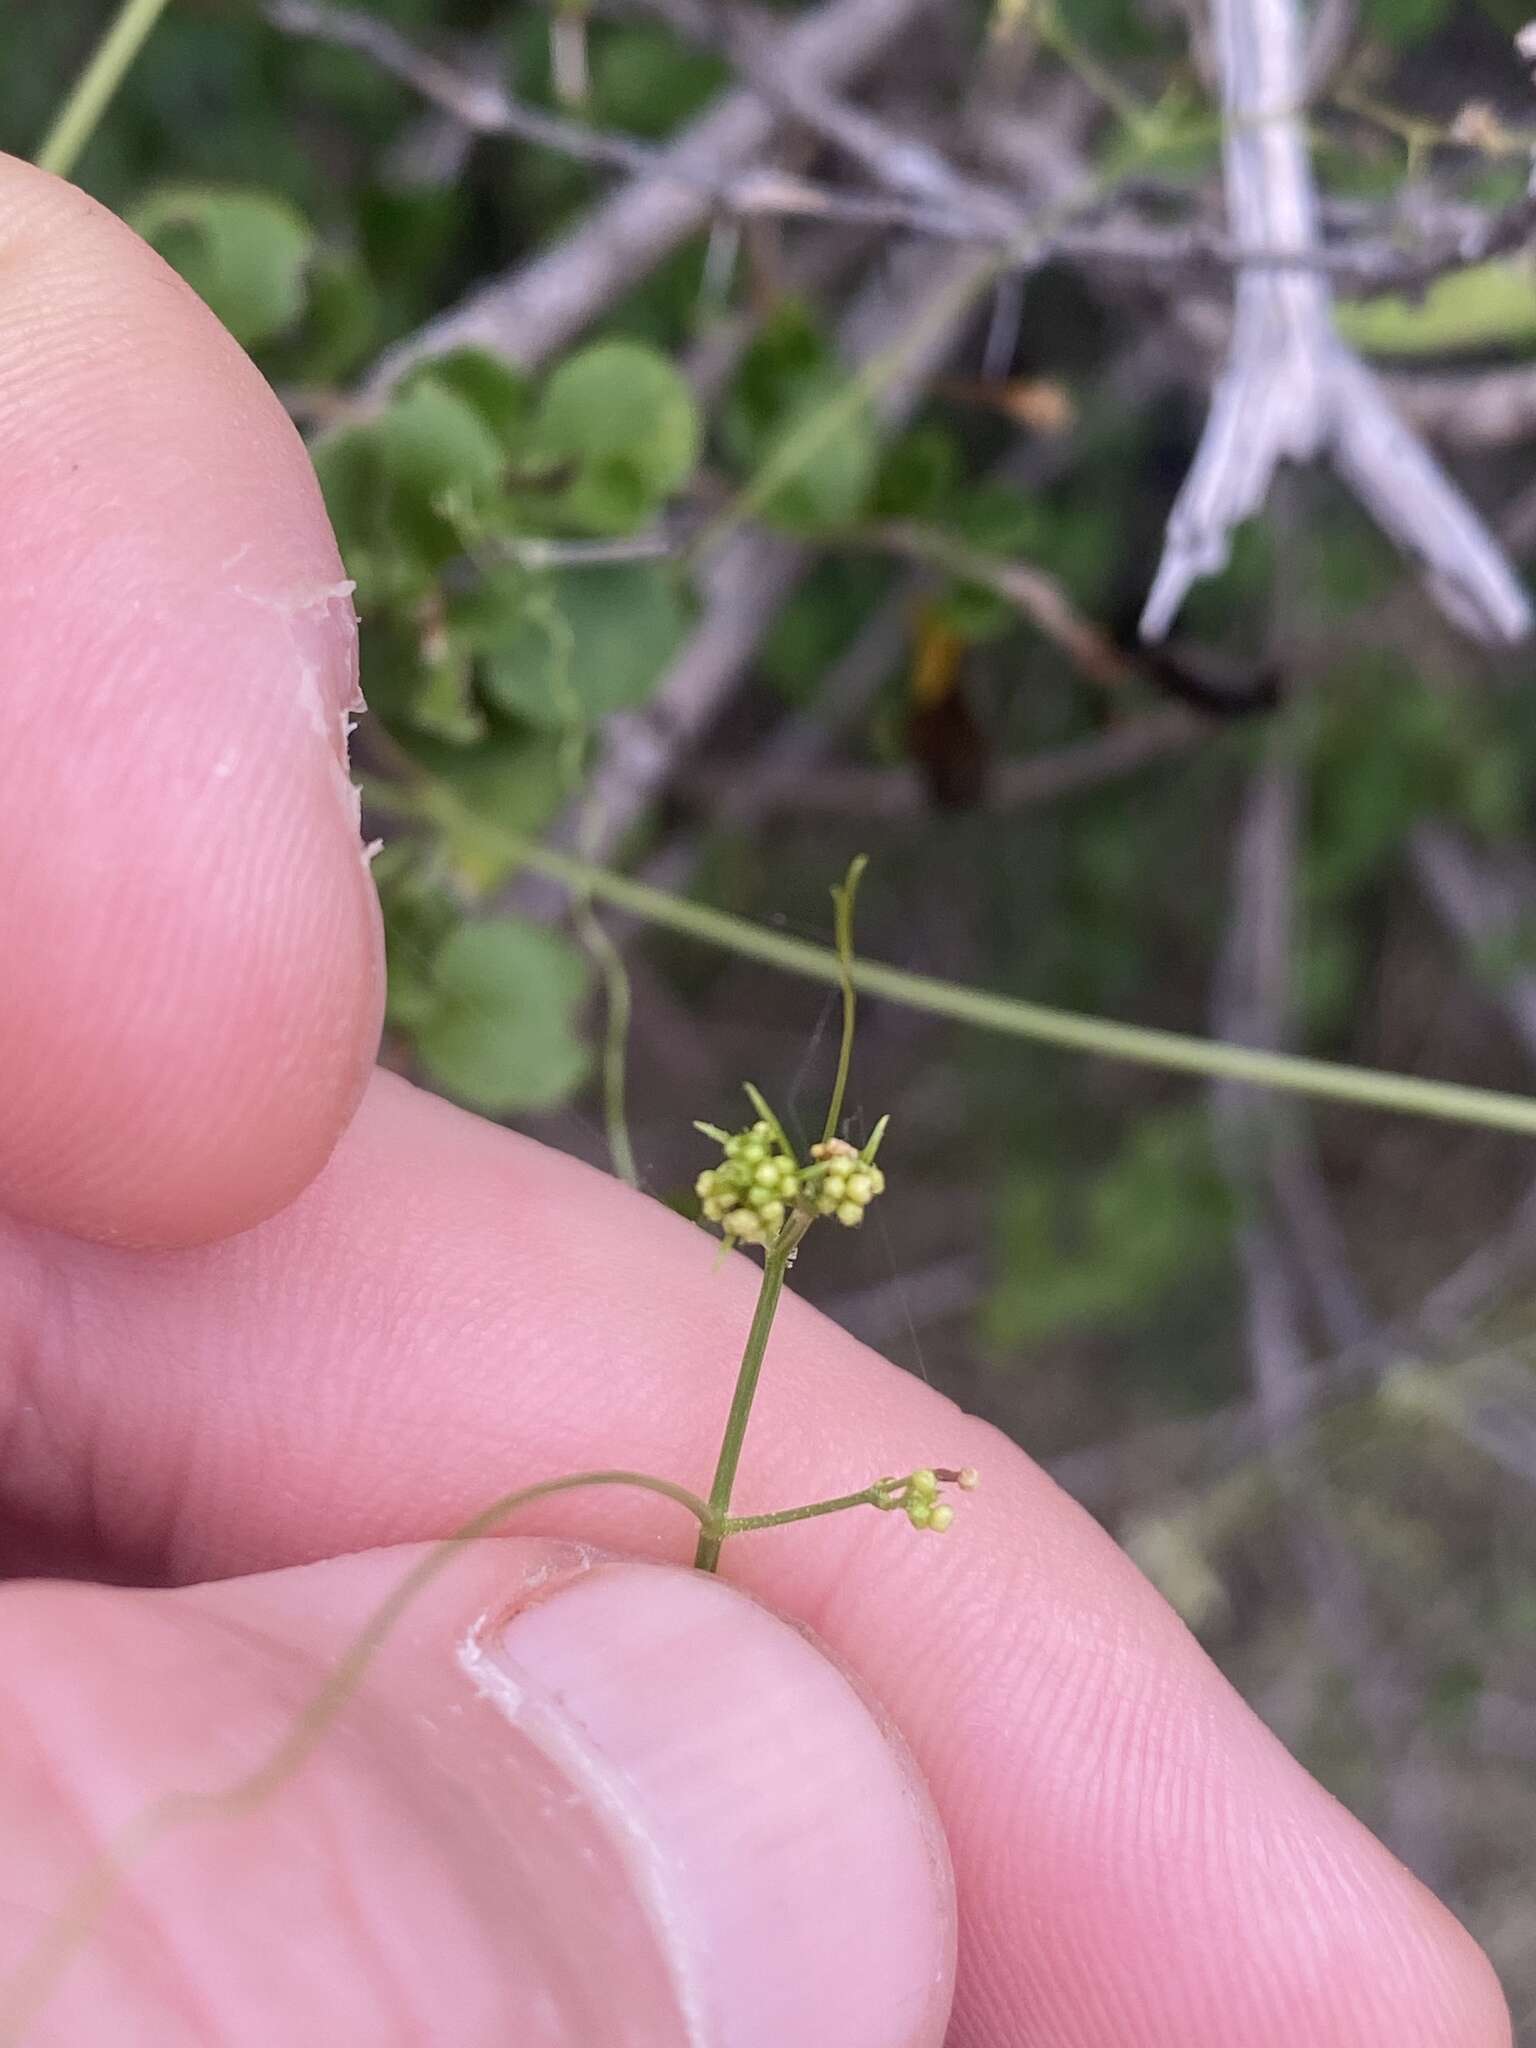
[(743, 1525), (842, 904), (93, 91), (1174, 1051), (617, 1003), (776, 1264), (1449, 1101)]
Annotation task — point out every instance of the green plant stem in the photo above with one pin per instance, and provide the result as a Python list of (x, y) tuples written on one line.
[(1328, 1080), (93, 91), (617, 1004), (776, 1264), (743, 1525), (842, 905)]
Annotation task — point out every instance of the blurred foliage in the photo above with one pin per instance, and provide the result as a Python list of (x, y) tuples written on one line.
[(1489, 305), (1155, 1217)]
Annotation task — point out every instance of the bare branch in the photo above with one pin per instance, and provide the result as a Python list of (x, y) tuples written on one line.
[(1039, 597), (897, 793), (1290, 390), (537, 308), (924, 194)]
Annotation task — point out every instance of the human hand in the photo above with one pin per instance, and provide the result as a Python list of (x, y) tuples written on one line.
[(260, 1313)]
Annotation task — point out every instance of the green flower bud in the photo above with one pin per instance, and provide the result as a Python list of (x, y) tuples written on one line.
[(849, 1214), (940, 1516)]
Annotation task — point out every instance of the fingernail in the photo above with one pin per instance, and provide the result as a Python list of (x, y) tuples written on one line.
[(783, 1846)]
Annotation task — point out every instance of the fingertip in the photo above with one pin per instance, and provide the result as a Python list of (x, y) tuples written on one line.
[(194, 960)]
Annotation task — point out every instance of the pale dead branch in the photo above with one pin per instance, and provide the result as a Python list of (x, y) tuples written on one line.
[(1290, 391)]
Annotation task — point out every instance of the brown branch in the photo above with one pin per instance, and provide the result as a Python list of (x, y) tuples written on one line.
[(889, 794), (1035, 594)]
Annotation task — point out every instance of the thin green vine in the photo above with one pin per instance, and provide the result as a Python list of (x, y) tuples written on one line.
[(842, 910), (93, 91), (1010, 1016)]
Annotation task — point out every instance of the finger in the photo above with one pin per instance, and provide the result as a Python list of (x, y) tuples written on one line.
[(191, 946), (451, 1311), (572, 1801)]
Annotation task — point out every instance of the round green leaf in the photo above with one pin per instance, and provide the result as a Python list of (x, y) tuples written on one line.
[(501, 1033), (572, 645), (386, 482), (244, 253), (629, 419)]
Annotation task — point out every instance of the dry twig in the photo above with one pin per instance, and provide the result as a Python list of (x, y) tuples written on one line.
[(543, 304), (1290, 390)]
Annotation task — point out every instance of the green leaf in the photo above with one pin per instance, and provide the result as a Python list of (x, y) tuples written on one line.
[(443, 703), (819, 620), (395, 478), (797, 417), (244, 253), (919, 476), (568, 646), (823, 458), (629, 422), (502, 396), (512, 781), (501, 1033), (341, 320), (1002, 519), (1489, 305)]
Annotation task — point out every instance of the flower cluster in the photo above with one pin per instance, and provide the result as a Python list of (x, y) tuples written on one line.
[(849, 1184), (917, 1496), (750, 1192), (759, 1183)]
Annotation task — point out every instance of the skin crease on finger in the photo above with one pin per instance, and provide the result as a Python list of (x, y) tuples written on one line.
[(178, 655), (448, 1310)]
